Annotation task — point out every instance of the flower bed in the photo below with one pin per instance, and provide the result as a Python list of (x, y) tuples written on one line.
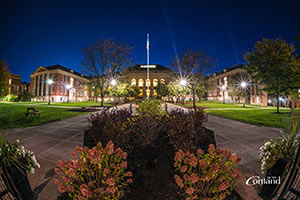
[(151, 138)]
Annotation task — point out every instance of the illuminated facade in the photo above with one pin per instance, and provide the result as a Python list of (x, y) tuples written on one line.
[(16, 87), (66, 84), (138, 77)]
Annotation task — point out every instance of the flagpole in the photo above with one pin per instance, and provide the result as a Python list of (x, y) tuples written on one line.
[(148, 86)]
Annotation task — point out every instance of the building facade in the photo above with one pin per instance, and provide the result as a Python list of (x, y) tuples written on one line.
[(221, 87), (16, 87), (58, 83), (137, 76)]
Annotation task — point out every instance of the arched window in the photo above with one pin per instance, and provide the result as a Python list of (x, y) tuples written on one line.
[(155, 82), (141, 93), (133, 82), (141, 82), (162, 81), (148, 82), (154, 93)]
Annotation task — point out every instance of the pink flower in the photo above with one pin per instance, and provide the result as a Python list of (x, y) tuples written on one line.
[(235, 173), (110, 148), (72, 172), (124, 164), (62, 189), (70, 188), (60, 163), (106, 171), (111, 181), (223, 186), (57, 182), (179, 181), (111, 189), (200, 151), (129, 174), (193, 161), (189, 190), (129, 180), (193, 178), (233, 157), (179, 155), (73, 154), (211, 148), (118, 151), (57, 171), (124, 155), (81, 198), (183, 169)]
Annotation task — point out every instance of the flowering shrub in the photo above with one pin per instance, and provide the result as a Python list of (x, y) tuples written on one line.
[(97, 173), (206, 176), (182, 128), (13, 153), (149, 107)]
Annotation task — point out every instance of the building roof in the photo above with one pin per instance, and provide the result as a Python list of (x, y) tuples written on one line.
[(239, 66), (139, 68), (53, 67)]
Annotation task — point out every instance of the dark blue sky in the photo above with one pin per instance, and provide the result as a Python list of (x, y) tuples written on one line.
[(35, 33)]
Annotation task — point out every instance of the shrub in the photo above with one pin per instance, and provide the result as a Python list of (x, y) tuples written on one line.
[(206, 176), (97, 173), (149, 107), (13, 153), (187, 130), (110, 125), (10, 98)]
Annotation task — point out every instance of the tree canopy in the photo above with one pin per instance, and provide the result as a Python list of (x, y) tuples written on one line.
[(4, 79), (270, 63)]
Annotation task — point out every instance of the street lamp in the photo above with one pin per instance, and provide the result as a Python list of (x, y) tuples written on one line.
[(183, 83), (68, 87), (244, 85), (49, 83), (113, 82), (223, 92)]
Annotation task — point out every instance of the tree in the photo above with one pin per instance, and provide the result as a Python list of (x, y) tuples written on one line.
[(298, 39), (103, 59), (162, 90), (4, 79), (192, 67), (234, 88), (269, 63), (93, 89), (124, 90)]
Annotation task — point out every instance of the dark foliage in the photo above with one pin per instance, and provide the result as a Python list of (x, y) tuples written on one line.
[(187, 130)]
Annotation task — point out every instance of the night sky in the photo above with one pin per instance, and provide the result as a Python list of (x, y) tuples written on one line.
[(35, 33)]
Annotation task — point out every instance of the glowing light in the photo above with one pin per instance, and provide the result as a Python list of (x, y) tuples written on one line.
[(113, 82), (49, 81), (68, 86), (269, 101), (281, 99), (223, 87), (244, 84), (183, 82)]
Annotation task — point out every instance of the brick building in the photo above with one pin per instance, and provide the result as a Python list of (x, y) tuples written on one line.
[(219, 87), (16, 87), (64, 85)]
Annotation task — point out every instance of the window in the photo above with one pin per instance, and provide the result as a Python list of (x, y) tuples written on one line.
[(148, 82), (81, 93), (155, 82), (162, 81), (154, 93), (65, 91), (141, 82), (148, 92), (133, 82), (141, 93), (52, 89), (61, 89)]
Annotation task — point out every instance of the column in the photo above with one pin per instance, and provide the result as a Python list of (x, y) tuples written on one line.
[(38, 85)]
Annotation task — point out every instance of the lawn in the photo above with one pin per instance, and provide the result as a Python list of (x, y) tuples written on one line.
[(74, 104), (261, 117), (213, 104), (12, 115)]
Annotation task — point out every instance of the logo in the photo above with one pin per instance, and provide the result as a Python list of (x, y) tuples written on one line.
[(269, 180)]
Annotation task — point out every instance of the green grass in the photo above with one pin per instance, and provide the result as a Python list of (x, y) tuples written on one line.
[(213, 104), (261, 117), (73, 104), (12, 115)]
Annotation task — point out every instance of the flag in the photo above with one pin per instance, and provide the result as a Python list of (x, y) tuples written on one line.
[(147, 45)]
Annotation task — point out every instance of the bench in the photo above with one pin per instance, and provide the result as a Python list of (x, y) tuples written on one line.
[(32, 111)]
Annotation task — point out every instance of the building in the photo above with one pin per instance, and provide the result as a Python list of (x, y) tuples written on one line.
[(138, 77), (63, 84), (16, 87), (221, 85)]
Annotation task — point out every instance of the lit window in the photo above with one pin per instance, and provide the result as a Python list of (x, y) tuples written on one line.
[(155, 82), (141, 82), (133, 82), (154, 92), (162, 81), (9, 81), (148, 92), (141, 93), (147, 82)]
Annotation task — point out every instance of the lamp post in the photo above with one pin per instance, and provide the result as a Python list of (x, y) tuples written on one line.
[(223, 92), (68, 87), (49, 83), (244, 85), (183, 82)]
